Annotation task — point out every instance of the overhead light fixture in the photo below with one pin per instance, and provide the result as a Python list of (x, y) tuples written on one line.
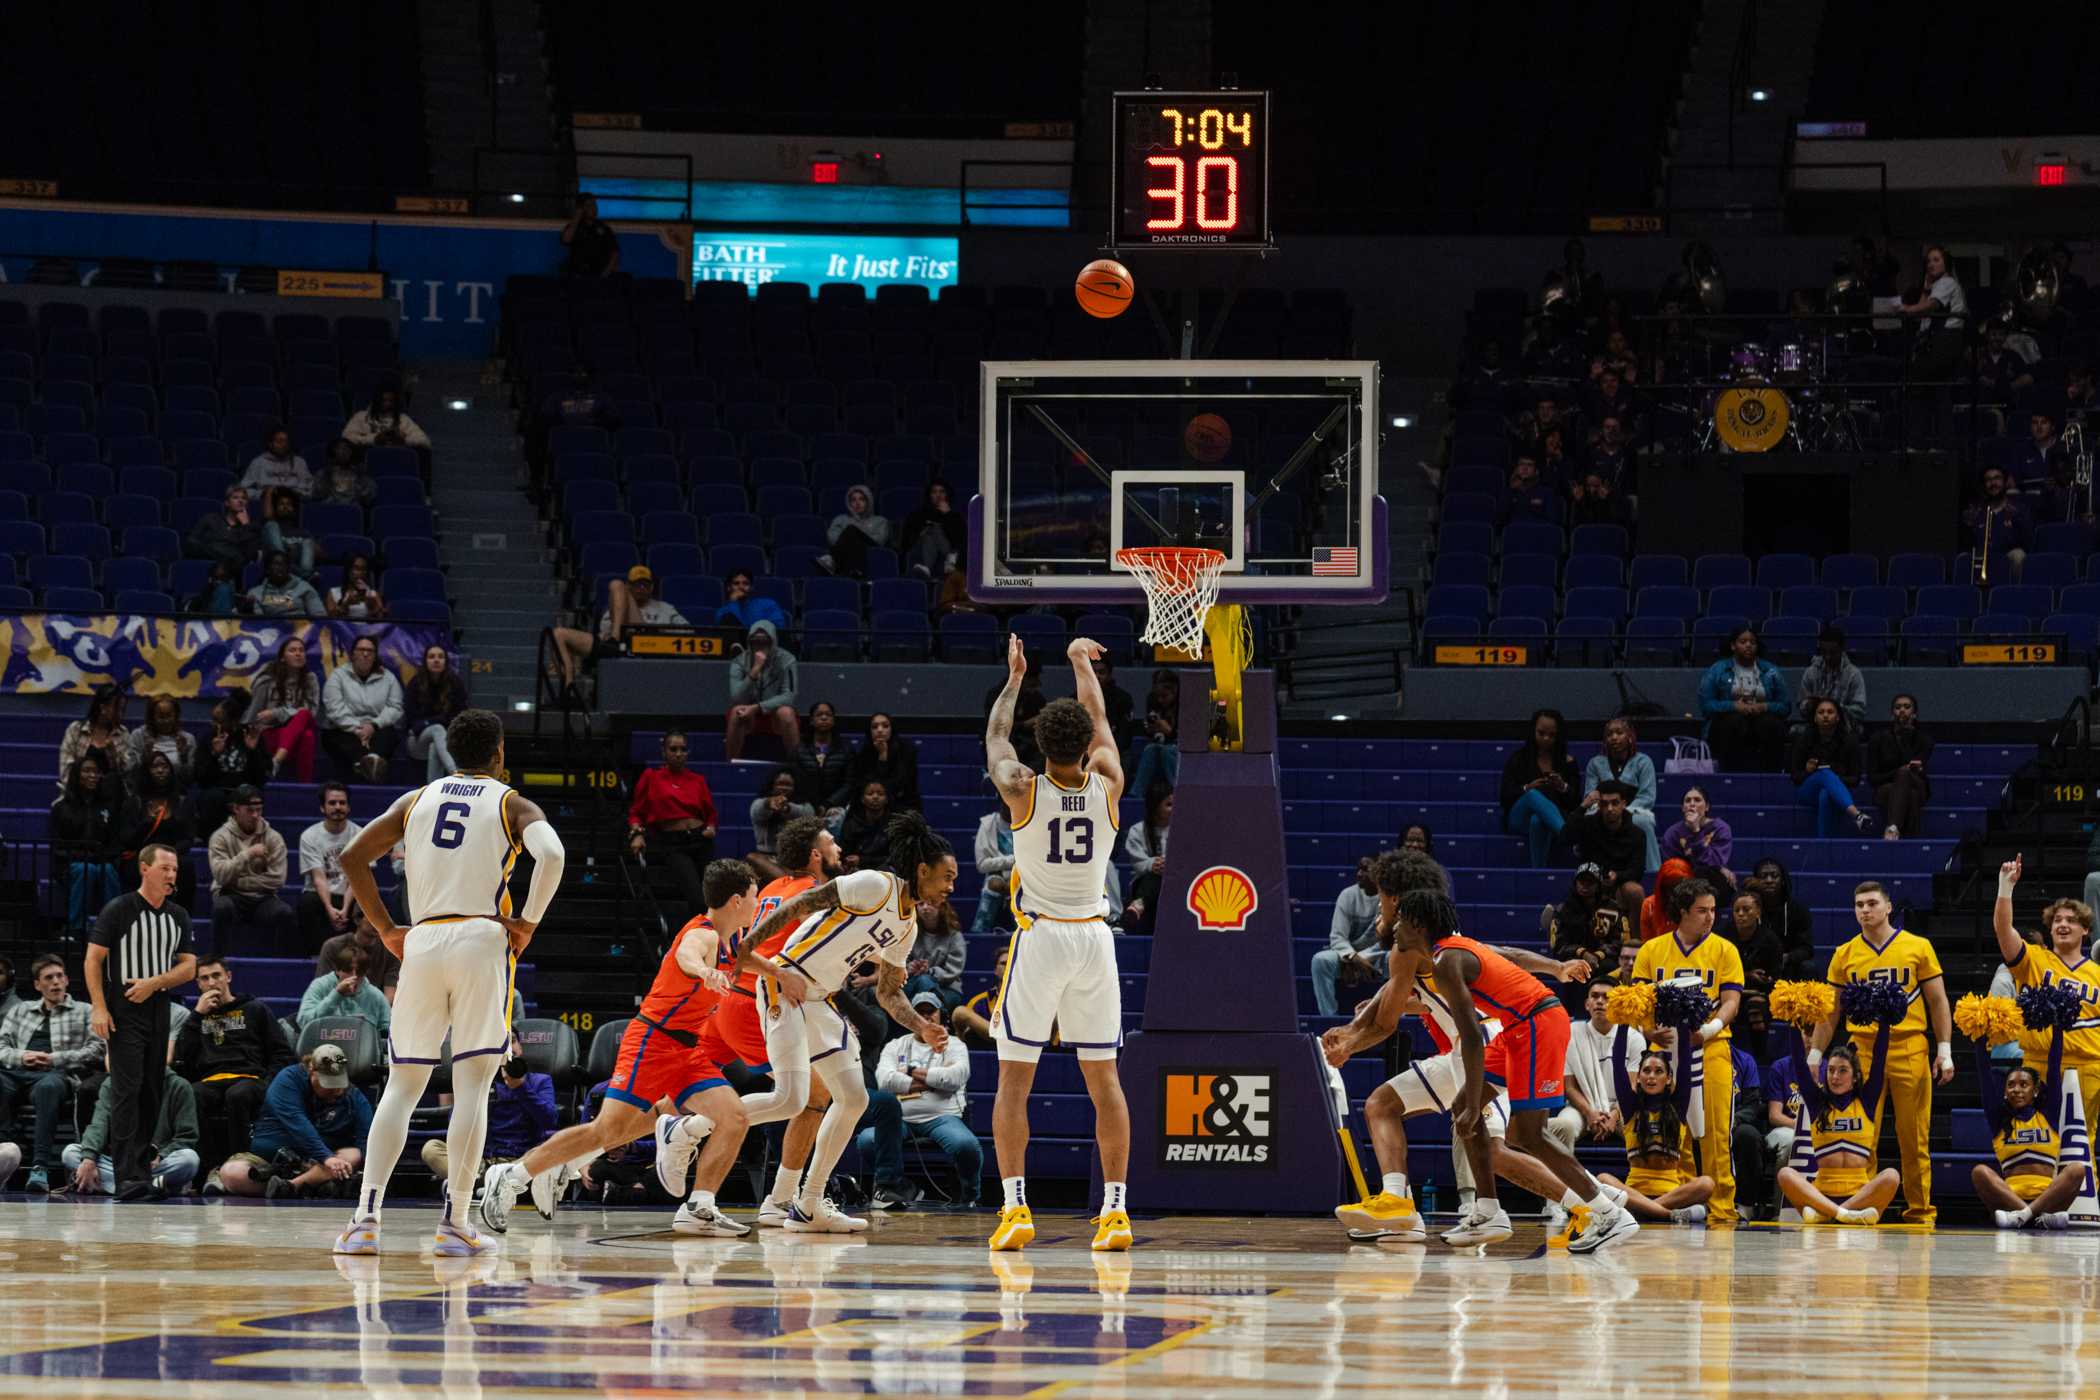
[(460, 405), (1758, 94), (1338, 717), (517, 199), (1401, 420), (521, 706)]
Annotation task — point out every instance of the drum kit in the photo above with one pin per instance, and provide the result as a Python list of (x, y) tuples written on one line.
[(1774, 394)]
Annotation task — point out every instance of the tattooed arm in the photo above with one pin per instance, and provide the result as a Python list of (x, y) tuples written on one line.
[(889, 993), (1009, 774), (793, 986)]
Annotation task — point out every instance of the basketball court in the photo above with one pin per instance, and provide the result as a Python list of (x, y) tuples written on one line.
[(237, 1299)]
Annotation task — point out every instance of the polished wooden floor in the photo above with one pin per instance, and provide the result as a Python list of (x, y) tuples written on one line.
[(243, 1299)]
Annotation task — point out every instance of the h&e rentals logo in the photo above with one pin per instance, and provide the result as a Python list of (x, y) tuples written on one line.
[(1216, 1118)]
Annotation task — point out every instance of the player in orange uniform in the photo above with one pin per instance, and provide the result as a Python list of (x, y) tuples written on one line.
[(810, 855), (660, 1064), (1528, 1059)]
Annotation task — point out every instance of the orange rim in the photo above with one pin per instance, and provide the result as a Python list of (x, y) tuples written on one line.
[(1171, 569)]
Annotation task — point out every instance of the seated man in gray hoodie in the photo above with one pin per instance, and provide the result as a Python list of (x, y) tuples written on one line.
[(361, 710), (281, 592), (762, 686), (1832, 676)]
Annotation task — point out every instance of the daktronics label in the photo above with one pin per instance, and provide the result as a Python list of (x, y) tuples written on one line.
[(1216, 1118)]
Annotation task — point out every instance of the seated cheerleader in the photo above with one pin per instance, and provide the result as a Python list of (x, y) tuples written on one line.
[(1658, 1140), (2028, 1187), (1842, 1127)]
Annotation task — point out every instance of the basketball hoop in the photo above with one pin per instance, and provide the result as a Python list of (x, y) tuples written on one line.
[(1181, 585)]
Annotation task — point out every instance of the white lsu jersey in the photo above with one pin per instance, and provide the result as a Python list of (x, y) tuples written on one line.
[(460, 848), (1062, 850), (877, 919)]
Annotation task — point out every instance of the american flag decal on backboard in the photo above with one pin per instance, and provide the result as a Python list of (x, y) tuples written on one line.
[(1329, 562)]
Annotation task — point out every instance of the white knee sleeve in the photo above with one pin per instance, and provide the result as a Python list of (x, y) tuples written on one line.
[(788, 1097)]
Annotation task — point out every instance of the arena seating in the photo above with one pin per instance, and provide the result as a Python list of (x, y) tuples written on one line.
[(122, 425), (728, 429)]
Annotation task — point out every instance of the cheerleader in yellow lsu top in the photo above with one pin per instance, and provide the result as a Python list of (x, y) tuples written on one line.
[(1693, 949), (1883, 953), (2030, 1185), (1656, 1108), (2061, 959), (1843, 1112)]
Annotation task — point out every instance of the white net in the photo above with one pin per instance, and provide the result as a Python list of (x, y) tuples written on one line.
[(1181, 585)]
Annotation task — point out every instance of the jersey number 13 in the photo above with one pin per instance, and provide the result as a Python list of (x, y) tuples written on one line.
[(1071, 839)]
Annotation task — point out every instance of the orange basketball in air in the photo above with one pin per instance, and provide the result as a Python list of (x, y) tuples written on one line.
[(1104, 288), (1207, 438)]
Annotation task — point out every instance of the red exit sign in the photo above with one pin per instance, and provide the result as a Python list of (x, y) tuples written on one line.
[(2050, 172), (824, 172)]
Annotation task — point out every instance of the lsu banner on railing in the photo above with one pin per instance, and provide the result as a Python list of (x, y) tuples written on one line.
[(73, 653)]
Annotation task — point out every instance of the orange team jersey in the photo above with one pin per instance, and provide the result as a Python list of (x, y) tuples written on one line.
[(734, 1031), (678, 1001), (1502, 990)]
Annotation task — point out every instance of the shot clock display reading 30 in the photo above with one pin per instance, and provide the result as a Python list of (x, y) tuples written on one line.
[(1191, 170)]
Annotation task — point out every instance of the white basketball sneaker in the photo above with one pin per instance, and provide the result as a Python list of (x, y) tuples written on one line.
[(828, 1219)]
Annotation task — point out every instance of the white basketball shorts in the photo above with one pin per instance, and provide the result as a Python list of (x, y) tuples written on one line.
[(455, 980), (1429, 1086), (799, 1036), (1061, 977)]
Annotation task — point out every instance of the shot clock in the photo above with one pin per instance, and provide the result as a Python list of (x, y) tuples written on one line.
[(1191, 170)]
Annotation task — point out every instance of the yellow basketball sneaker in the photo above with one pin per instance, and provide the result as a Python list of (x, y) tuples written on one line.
[(1384, 1216), (1578, 1221), (1016, 1228), (1114, 1231)]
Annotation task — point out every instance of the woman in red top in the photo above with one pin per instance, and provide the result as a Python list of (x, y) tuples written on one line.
[(673, 816)]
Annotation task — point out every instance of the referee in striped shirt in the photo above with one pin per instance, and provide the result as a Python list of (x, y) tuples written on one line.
[(140, 951)]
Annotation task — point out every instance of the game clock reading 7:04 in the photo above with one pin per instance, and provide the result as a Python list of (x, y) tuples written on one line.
[(1191, 170)]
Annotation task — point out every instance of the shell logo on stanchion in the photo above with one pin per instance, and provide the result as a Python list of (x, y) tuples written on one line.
[(1222, 898)]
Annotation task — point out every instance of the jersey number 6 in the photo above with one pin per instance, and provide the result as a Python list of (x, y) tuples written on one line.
[(450, 831), (1080, 833)]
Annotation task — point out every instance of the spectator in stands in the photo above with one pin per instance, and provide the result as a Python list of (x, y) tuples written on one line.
[(1556, 463), (1744, 699), (1782, 1094), (1824, 764), (1159, 752), (1352, 957), (229, 537), (1941, 310), (820, 762), (771, 810), (1597, 502), (100, 732), (522, 1114), (934, 537), (672, 815), (628, 605), (283, 532), (91, 1162), (889, 757), (1659, 911), (357, 597), (10, 991), (325, 908), (159, 812), (1832, 676), (1767, 958), (162, 733), (234, 756), (84, 840), (1783, 914), (384, 423), (247, 859), (2082, 396), (310, 1136), (230, 1048), (1622, 759), (1608, 836), (1609, 397), (594, 249), (1146, 846), (744, 607), (277, 465), (930, 1086), (1999, 524), (1897, 758), (937, 956), (282, 593), (1417, 837), (47, 1050), (344, 990), (361, 711), (1115, 701), (220, 596), (2002, 375), (852, 534), (1540, 787), (863, 843), (343, 482), (993, 851), (282, 702), (2043, 448), (1593, 1096), (764, 684), (1527, 496), (1532, 428), (435, 694), (1700, 838), (1570, 926), (378, 963)]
